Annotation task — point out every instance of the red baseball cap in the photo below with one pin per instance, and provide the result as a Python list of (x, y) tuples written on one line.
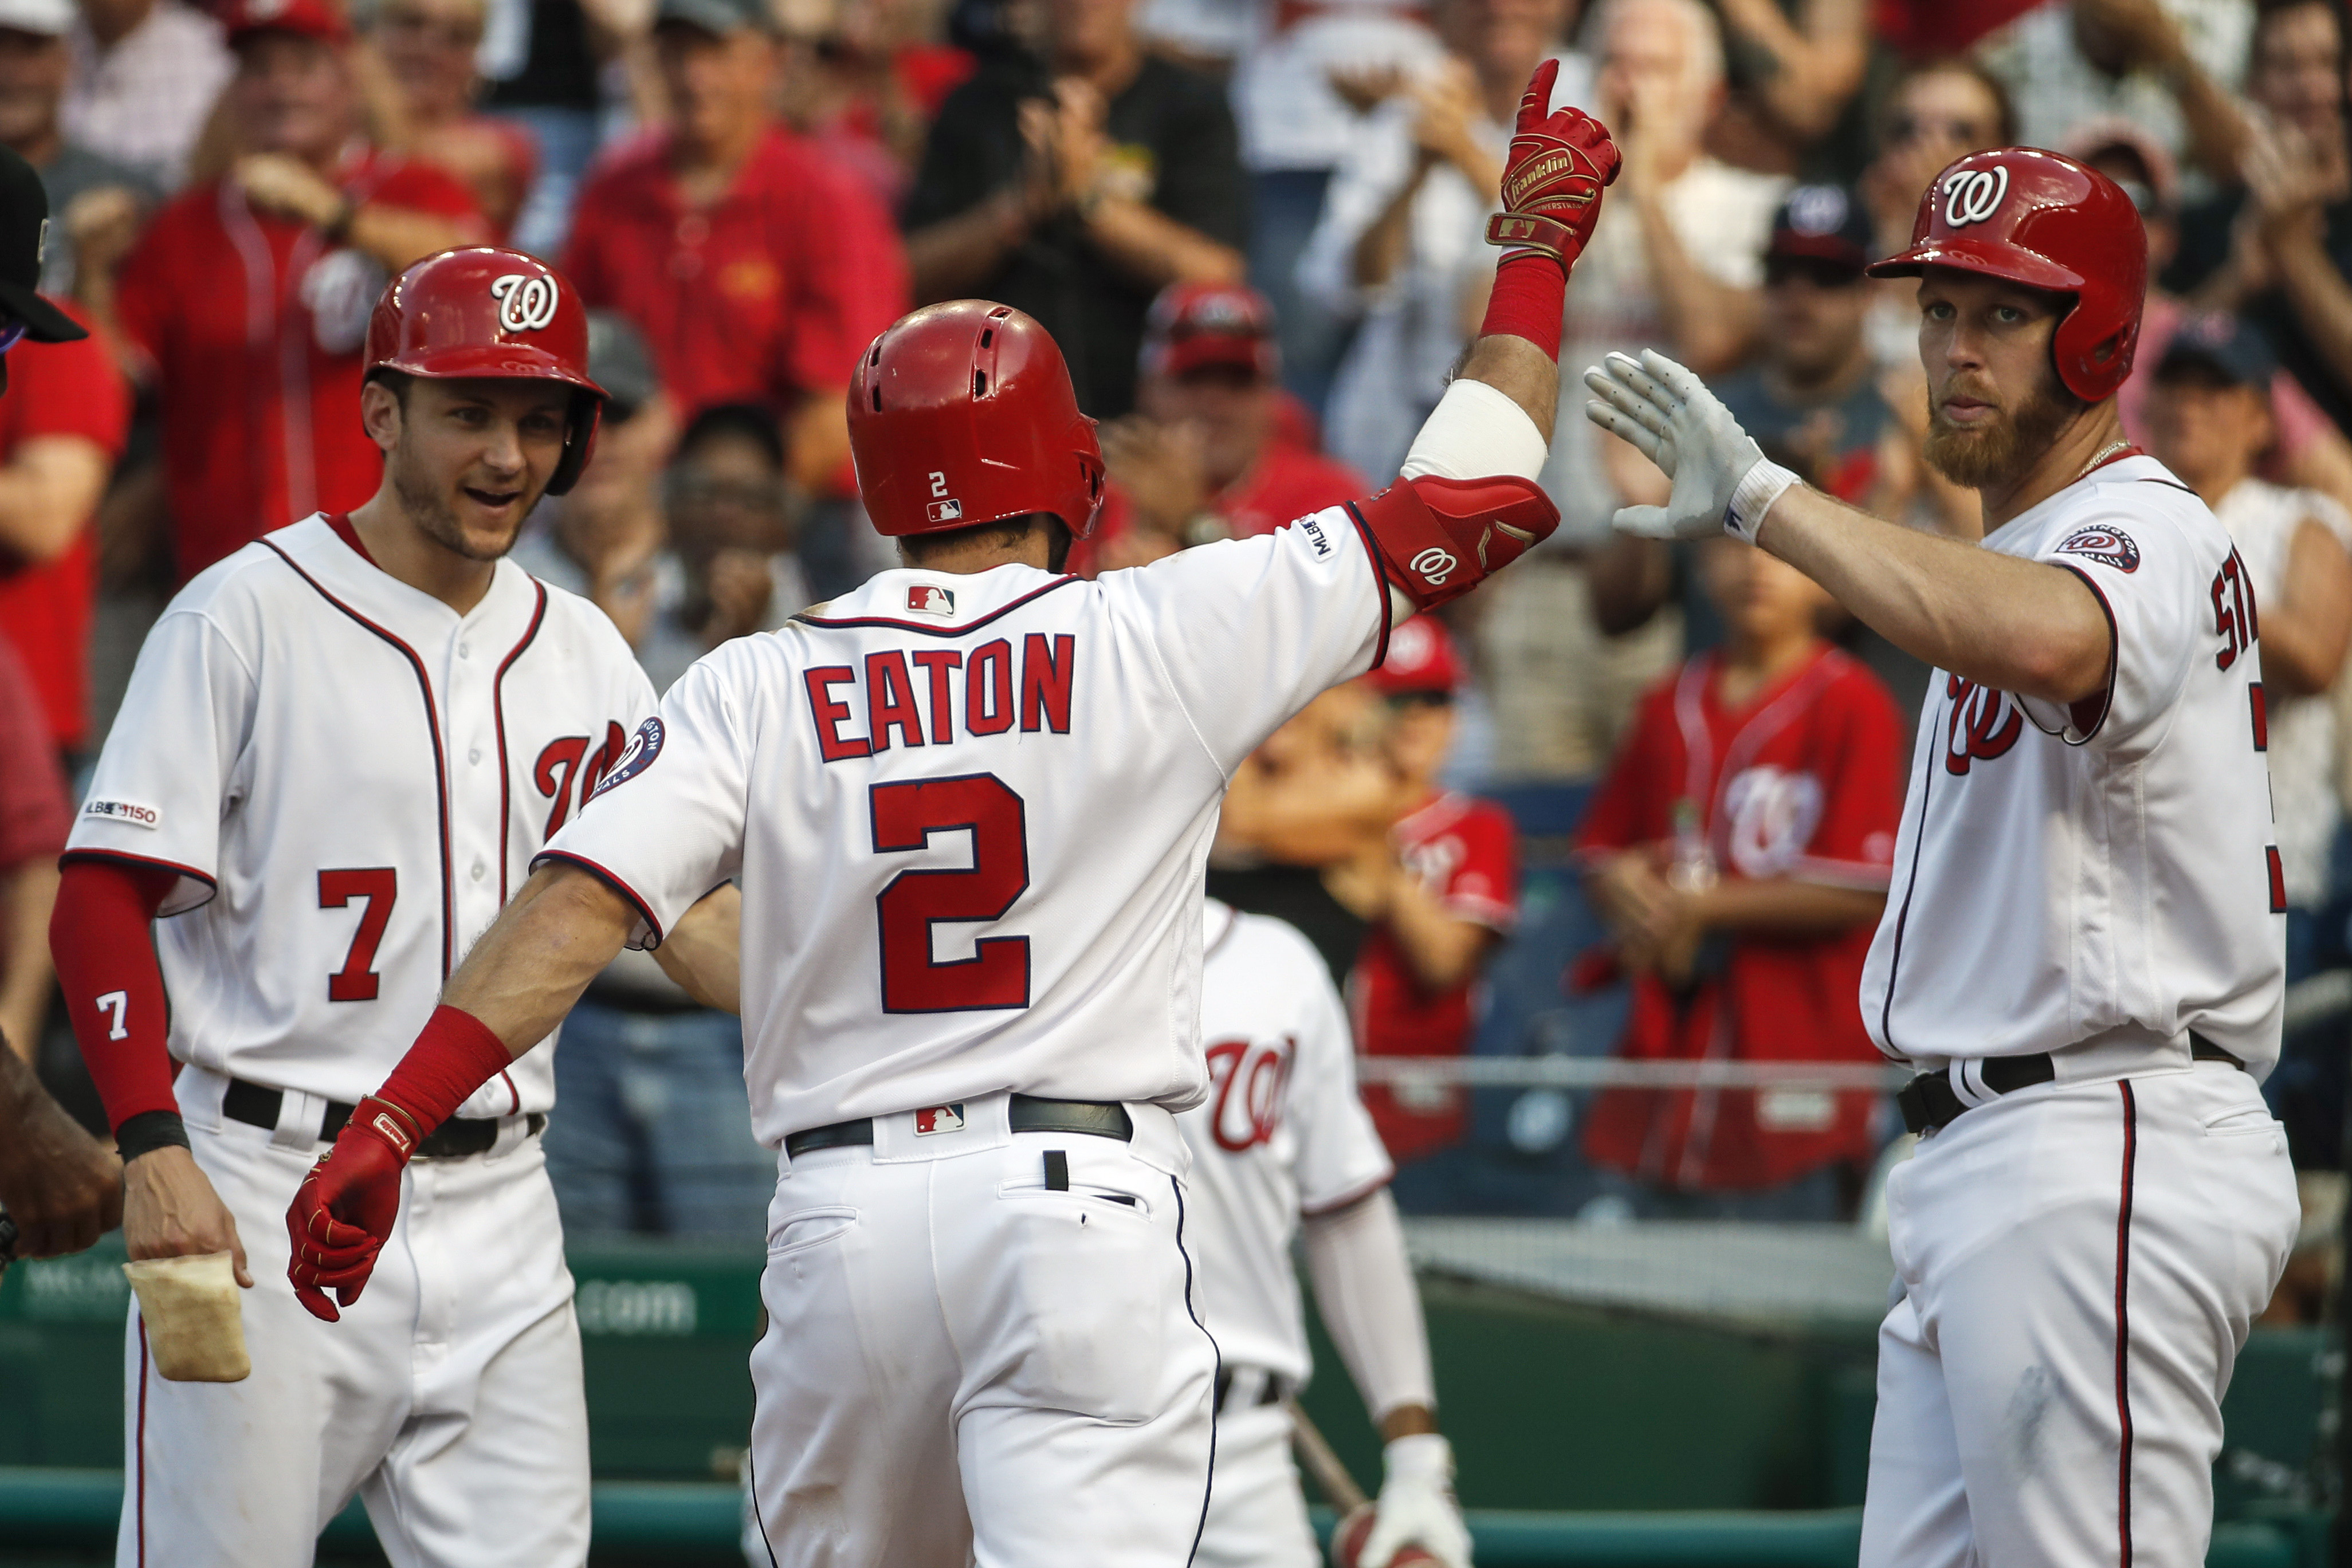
[(1421, 661), (319, 19), (1193, 326)]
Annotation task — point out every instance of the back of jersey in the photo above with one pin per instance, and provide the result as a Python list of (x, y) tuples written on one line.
[(970, 816)]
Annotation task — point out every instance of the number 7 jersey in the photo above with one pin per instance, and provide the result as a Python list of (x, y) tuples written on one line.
[(969, 815), (349, 779)]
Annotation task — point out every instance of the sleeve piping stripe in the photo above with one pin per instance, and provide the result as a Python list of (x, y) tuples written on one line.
[(1347, 1200), (610, 879), (2115, 660), (1379, 582)]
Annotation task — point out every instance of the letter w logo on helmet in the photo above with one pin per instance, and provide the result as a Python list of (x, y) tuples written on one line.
[(1972, 195), (526, 303)]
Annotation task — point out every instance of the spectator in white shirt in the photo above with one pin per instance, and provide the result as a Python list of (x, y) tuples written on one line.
[(1400, 247), (145, 75)]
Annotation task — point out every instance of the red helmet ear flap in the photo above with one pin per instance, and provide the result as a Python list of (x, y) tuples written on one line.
[(580, 429)]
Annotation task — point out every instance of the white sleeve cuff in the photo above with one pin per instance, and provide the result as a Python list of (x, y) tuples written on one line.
[(1477, 432)]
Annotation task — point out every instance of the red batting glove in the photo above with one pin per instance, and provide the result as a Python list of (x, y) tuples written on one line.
[(343, 1212), (1559, 163)]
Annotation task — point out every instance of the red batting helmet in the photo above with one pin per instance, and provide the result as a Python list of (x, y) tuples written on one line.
[(2043, 220), (961, 414), (491, 313)]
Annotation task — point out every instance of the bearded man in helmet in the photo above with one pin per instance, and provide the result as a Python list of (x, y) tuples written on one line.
[(969, 806), (340, 750), (2082, 948)]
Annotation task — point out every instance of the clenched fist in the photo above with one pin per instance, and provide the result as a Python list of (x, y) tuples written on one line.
[(1560, 162), (344, 1210)]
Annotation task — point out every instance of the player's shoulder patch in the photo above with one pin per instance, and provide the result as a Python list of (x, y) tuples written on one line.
[(2106, 545), (644, 747), (130, 813)]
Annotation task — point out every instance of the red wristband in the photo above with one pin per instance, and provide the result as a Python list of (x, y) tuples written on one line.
[(455, 1054), (102, 938), (1530, 295)]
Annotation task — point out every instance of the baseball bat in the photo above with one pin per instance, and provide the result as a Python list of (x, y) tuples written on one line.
[(1314, 1454)]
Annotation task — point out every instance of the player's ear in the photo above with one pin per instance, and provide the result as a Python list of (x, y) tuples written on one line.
[(380, 413)]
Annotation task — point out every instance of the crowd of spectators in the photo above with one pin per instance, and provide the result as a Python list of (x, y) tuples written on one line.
[(1256, 228)]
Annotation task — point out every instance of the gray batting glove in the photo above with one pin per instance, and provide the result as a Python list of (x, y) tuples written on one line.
[(1720, 476)]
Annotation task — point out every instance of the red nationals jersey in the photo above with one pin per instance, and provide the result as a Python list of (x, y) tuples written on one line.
[(255, 324), (1804, 782), (1463, 851), (767, 293)]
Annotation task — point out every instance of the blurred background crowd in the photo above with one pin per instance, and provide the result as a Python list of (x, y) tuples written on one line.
[(1633, 800)]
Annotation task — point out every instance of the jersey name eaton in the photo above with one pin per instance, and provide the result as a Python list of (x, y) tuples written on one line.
[(349, 779), (2062, 873), (970, 816)]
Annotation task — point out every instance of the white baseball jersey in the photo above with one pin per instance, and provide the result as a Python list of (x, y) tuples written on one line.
[(349, 779), (970, 814), (2060, 873), (1282, 1133)]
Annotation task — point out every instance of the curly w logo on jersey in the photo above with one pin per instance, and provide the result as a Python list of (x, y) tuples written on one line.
[(1984, 724)]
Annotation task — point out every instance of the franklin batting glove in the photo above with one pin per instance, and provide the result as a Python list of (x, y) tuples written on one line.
[(1416, 1505), (343, 1212), (1721, 478)]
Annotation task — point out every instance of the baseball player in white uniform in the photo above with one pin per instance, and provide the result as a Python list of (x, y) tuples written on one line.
[(340, 750), (2083, 950), (1282, 1144), (969, 807)]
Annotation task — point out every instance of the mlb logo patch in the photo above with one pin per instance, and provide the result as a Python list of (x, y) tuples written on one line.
[(939, 1119), (946, 511), (926, 599)]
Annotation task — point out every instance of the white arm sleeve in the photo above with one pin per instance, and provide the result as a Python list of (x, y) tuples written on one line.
[(1477, 432), (1365, 1291)]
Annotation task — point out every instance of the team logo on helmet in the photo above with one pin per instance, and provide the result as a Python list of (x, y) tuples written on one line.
[(526, 301), (1972, 195)]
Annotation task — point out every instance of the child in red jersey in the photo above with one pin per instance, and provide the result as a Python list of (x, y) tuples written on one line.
[(1740, 852), (1440, 890)]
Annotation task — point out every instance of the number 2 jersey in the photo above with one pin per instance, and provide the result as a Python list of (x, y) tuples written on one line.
[(349, 779), (970, 814), (2108, 869)]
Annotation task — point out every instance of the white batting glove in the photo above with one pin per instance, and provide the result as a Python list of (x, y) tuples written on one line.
[(1721, 478), (1416, 1505)]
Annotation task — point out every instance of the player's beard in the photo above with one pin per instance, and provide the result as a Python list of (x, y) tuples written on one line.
[(1994, 453), (429, 507)]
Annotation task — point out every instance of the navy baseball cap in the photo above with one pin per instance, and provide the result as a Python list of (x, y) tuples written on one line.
[(23, 235), (720, 19), (1822, 223), (2221, 345)]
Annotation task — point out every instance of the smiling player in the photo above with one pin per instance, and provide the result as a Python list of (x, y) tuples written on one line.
[(341, 748)]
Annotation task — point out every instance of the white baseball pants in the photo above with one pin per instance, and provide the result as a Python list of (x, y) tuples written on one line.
[(450, 1397), (2079, 1263), (1257, 1514), (967, 1364)]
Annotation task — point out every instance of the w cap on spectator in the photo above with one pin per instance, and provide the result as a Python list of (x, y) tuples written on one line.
[(2221, 349), (1197, 326), (1422, 665), (720, 19), (319, 19), (24, 234), (1825, 228)]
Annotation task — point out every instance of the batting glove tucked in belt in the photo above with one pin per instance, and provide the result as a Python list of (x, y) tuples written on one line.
[(1720, 475), (1416, 1506), (344, 1210)]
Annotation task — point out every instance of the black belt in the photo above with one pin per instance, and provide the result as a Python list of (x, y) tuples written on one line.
[(1084, 1118), (454, 1139), (1273, 1390), (1929, 1101)]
